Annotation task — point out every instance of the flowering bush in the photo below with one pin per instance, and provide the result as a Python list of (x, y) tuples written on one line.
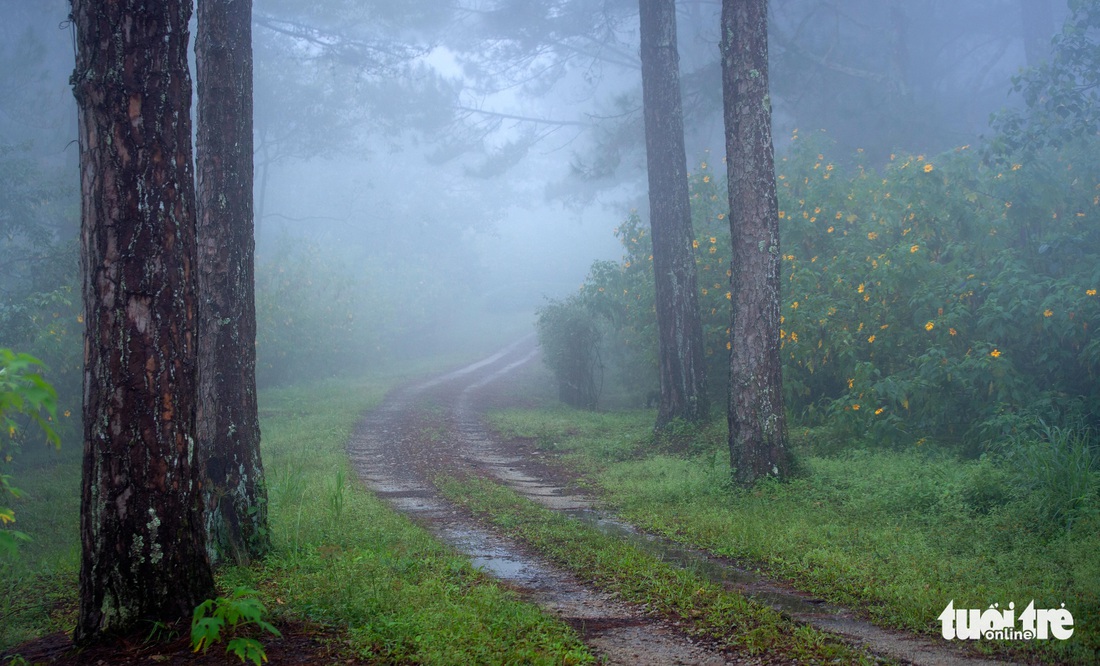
[(935, 297)]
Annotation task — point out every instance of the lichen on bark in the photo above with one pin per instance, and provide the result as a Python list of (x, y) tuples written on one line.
[(142, 546)]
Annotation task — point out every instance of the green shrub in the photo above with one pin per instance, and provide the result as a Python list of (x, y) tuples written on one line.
[(312, 315), (23, 393), (932, 300), (570, 341)]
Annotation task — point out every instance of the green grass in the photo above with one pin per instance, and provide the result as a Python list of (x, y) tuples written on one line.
[(895, 534), (342, 558), (704, 609), (345, 559), (38, 588)]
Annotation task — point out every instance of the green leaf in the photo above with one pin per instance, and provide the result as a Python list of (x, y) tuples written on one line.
[(247, 649), (205, 631)]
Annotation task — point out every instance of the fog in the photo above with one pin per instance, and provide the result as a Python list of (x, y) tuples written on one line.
[(471, 160)]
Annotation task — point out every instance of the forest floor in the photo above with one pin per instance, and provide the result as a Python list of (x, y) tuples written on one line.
[(518, 511), (422, 446), (301, 644)]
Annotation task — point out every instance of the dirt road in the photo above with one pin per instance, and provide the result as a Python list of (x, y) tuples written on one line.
[(435, 427)]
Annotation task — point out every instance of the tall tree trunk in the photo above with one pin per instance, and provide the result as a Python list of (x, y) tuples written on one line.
[(757, 424), (680, 332), (1038, 29), (227, 424), (141, 526)]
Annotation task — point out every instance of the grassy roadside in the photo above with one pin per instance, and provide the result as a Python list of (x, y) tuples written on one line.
[(897, 534), (345, 559), (703, 609), (342, 558)]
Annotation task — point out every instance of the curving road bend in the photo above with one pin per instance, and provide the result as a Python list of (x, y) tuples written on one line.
[(435, 426)]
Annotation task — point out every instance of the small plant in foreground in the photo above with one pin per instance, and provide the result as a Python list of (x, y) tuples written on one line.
[(22, 391), (239, 610)]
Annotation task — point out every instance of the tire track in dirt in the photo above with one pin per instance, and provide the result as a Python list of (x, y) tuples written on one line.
[(413, 435), (436, 426)]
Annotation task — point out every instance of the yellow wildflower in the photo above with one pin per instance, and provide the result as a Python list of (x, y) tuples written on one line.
[(794, 306), (929, 326), (706, 179), (928, 167), (872, 235), (913, 248), (713, 240), (995, 353), (871, 339), (695, 244), (1048, 312), (1090, 292)]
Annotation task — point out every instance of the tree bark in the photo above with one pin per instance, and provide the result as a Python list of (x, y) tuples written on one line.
[(680, 332), (757, 424), (227, 423), (143, 547)]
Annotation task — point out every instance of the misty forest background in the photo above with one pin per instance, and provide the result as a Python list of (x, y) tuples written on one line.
[(429, 171)]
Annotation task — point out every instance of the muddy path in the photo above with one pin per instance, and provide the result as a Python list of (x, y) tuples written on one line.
[(435, 427)]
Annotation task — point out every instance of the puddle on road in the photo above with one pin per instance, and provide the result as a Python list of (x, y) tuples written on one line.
[(488, 553), (380, 455)]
